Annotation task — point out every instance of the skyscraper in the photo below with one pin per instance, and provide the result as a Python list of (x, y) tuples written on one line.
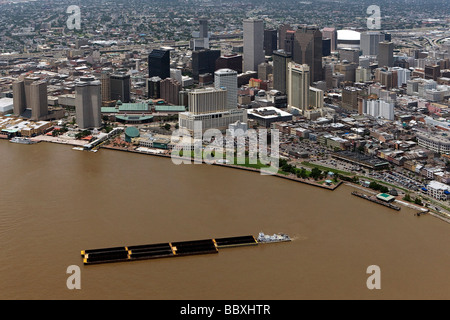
[(370, 42), (253, 44), (209, 108), (204, 61), (280, 65), (30, 98), (227, 79), (230, 61), (308, 50), (282, 36), (386, 54), (170, 91), (298, 86), (330, 33), (270, 41), (202, 40), (88, 102), (38, 100), (120, 87), (159, 63)]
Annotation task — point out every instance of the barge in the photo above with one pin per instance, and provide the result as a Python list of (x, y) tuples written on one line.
[(174, 249)]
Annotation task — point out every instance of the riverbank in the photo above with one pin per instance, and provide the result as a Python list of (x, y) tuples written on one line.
[(279, 175)]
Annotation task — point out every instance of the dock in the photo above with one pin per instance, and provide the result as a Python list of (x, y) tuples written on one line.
[(386, 204), (164, 250)]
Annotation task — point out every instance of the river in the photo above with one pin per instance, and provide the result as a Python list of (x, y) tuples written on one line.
[(56, 201)]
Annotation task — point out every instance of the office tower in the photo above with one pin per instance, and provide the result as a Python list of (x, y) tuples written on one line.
[(370, 42), (30, 98), (432, 72), (38, 100), (253, 44), (88, 102), (289, 38), (154, 88), (227, 79), (351, 55), (203, 28), (19, 98), (386, 54), (270, 41), (282, 36), (403, 76), (350, 98), (176, 75), (120, 87), (105, 84), (170, 91), (326, 47), (204, 61), (330, 33), (315, 98), (230, 61), (202, 40), (209, 109), (308, 50), (264, 69), (159, 63), (298, 86), (280, 66)]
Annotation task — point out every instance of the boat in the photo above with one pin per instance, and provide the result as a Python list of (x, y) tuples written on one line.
[(22, 140), (280, 237)]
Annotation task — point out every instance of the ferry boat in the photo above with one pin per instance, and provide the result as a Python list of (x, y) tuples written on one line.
[(280, 237), (22, 140)]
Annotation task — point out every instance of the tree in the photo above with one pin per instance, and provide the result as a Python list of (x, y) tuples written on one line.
[(407, 197), (316, 173), (418, 201)]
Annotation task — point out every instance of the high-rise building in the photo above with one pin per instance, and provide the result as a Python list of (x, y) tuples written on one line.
[(230, 61), (386, 54), (202, 40), (370, 42), (298, 87), (159, 63), (282, 30), (30, 94), (38, 100), (19, 98), (105, 84), (379, 108), (253, 44), (308, 50), (326, 47), (280, 67), (209, 109), (154, 88), (227, 79), (88, 103), (120, 87), (204, 61), (270, 41), (330, 33), (170, 91)]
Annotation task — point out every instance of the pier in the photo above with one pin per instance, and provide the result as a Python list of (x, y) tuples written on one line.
[(164, 250), (386, 204)]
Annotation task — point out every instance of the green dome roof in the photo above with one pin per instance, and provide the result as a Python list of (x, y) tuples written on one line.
[(132, 132)]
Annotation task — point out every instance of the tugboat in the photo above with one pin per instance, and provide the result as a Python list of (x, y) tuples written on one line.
[(22, 140), (280, 237)]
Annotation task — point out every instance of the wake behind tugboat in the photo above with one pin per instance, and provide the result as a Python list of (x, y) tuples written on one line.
[(280, 237)]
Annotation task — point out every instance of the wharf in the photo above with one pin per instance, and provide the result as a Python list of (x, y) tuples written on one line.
[(386, 204)]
